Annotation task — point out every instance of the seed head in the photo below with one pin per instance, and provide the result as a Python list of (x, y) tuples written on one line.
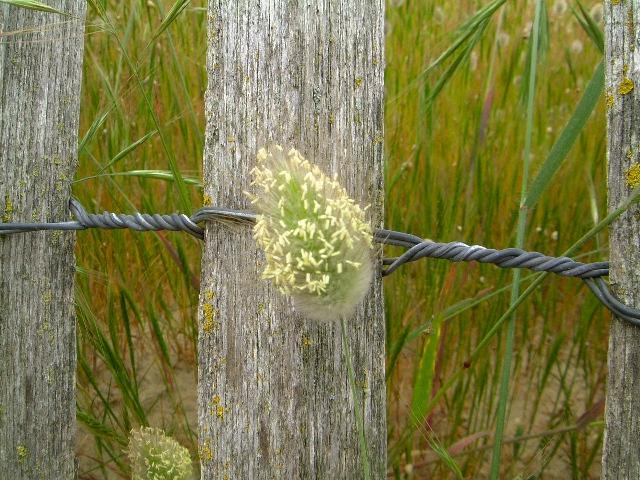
[(155, 456), (315, 238), (559, 8), (597, 13)]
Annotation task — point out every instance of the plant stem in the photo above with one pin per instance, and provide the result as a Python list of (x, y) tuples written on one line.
[(520, 234)]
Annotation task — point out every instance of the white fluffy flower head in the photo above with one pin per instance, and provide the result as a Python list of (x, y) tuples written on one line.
[(316, 240)]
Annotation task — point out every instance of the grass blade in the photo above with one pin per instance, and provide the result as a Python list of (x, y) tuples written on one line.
[(176, 10), (465, 32), (33, 5), (568, 136), (540, 30), (166, 175), (93, 129), (455, 64), (590, 27), (446, 458), (423, 384), (128, 149)]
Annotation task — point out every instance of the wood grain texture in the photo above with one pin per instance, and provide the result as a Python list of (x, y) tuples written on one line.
[(40, 73), (274, 399), (621, 454)]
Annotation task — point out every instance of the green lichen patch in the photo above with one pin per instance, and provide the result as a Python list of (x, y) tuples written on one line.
[(47, 296), (22, 452), (8, 210)]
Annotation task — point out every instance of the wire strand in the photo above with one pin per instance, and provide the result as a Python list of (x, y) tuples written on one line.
[(417, 248)]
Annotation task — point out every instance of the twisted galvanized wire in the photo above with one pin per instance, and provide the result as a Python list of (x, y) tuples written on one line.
[(417, 247)]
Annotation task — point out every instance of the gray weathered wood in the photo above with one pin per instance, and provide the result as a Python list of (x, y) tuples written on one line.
[(40, 72), (274, 399), (621, 451)]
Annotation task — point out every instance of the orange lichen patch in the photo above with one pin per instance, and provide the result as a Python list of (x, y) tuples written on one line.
[(632, 175), (206, 200)]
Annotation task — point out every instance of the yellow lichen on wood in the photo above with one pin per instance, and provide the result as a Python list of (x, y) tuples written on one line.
[(632, 175), (220, 411), (625, 86), (209, 313), (204, 452), (609, 100), (217, 408)]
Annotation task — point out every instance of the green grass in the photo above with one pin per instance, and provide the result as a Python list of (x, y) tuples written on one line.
[(457, 80)]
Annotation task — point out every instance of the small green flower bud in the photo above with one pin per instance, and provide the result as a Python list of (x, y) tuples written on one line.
[(155, 456)]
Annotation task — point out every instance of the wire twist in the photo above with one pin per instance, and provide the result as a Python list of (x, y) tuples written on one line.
[(417, 248)]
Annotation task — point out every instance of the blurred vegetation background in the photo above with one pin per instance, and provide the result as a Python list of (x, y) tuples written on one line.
[(473, 88)]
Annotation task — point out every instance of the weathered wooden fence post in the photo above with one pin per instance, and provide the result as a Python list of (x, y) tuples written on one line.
[(621, 452), (40, 73), (274, 400)]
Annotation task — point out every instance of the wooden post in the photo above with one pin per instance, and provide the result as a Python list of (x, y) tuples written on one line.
[(621, 452), (40, 73), (274, 399)]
